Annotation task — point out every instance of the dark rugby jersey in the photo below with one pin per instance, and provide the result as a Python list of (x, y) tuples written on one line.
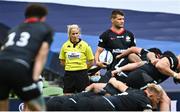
[(131, 100), (154, 73), (116, 43), (24, 41)]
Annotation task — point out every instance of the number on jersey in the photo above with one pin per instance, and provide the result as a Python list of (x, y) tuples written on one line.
[(22, 42)]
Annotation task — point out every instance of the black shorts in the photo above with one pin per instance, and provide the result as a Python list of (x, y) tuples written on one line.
[(17, 77), (75, 81)]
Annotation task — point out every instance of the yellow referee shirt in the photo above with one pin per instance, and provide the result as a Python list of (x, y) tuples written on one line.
[(76, 56)]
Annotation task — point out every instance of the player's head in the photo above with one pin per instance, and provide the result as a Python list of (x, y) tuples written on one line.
[(117, 18), (36, 10), (155, 93), (157, 51), (73, 32), (115, 13)]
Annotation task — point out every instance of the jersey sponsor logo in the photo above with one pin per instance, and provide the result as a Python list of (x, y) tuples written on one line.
[(128, 39), (120, 36), (118, 50), (73, 55)]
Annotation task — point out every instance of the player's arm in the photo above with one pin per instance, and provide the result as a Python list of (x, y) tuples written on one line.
[(98, 52), (118, 84), (95, 87), (90, 63), (128, 67), (130, 50), (40, 60), (163, 65), (152, 58)]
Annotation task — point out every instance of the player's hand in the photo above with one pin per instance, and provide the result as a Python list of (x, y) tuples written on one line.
[(101, 64), (176, 76), (154, 61), (118, 56), (115, 72)]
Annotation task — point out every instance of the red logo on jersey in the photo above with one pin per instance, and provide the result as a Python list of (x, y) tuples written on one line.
[(112, 38)]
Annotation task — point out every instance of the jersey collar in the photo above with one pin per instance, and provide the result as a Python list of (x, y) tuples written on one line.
[(119, 32), (32, 20), (74, 45)]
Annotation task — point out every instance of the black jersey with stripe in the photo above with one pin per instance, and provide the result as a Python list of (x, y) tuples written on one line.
[(24, 41), (131, 99)]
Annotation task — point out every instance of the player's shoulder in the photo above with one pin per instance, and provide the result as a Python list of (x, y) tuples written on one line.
[(128, 31), (105, 34), (46, 26)]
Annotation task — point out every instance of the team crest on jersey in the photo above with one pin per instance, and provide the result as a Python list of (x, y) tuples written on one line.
[(128, 39)]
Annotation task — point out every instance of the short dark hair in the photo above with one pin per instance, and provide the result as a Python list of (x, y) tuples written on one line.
[(35, 10), (116, 12)]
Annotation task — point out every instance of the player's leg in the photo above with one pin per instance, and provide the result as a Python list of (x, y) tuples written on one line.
[(37, 104), (4, 85), (26, 89)]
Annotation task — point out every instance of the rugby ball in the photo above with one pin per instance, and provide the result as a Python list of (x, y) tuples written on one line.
[(106, 57)]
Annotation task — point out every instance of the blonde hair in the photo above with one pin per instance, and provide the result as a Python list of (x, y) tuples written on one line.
[(155, 88), (72, 26)]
